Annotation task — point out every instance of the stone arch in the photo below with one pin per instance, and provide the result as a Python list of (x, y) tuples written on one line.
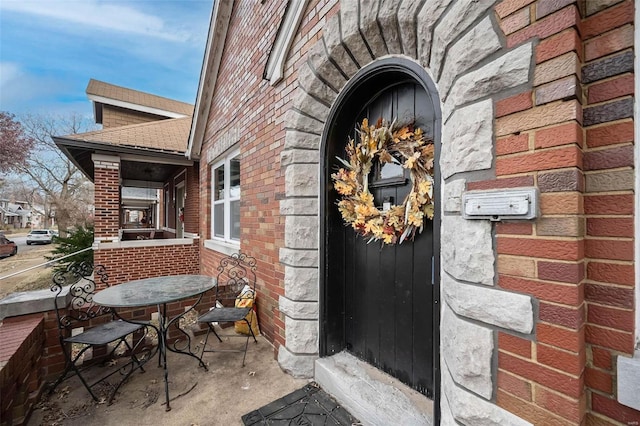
[(460, 47)]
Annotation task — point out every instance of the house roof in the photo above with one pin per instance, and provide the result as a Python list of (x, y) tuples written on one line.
[(102, 93), (148, 151), (169, 135), (218, 27)]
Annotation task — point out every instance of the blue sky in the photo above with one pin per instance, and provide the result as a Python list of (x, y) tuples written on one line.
[(49, 49)]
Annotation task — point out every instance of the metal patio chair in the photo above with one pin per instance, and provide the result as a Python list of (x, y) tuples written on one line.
[(84, 325), (234, 298)]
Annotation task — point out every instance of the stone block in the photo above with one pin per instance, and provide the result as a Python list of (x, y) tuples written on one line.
[(370, 395), (350, 29), (621, 180), (511, 311), (298, 365), (370, 29), (298, 309), (299, 207), (325, 68), (295, 120), (461, 14), (407, 23), (301, 336), (467, 349), (336, 50), (300, 232), (296, 139), (467, 142), (507, 71), (469, 409), (301, 180), (310, 105), (388, 21), (453, 195), (473, 47), (427, 18), (299, 258), (467, 249), (299, 156), (301, 283), (314, 86)]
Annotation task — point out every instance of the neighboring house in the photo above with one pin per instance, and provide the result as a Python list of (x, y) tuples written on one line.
[(142, 181), (15, 215), (497, 321)]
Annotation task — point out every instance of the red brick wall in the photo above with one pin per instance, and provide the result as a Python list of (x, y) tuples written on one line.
[(113, 116), (133, 263), (107, 199), (608, 204), (572, 137), (21, 379), (192, 202), (245, 101)]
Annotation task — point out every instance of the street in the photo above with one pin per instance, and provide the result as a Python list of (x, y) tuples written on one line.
[(27, 257)]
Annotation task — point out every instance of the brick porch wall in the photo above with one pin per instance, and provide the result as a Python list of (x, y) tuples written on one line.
[(21, 374), (133, 263)]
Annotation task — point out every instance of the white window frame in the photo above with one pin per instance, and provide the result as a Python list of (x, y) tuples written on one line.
[(226, 201)]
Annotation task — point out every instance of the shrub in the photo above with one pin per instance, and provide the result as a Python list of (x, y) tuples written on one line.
[(76, 240)]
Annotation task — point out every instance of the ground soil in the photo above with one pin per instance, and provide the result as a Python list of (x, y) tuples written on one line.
[(35, 279), (221, 396)]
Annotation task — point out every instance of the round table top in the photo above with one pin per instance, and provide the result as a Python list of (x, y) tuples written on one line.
[(154, 291)]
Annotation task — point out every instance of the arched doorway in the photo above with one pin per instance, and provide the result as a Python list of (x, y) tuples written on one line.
[(380, 303)]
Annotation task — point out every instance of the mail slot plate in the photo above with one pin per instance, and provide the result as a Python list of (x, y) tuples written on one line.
[(507, 204)]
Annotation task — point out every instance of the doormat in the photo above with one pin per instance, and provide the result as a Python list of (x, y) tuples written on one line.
[(307, 406)]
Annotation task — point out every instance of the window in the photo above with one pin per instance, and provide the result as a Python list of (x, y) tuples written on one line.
[(225, 194)]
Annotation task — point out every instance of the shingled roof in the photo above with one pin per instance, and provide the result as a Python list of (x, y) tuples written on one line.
[(105, 92), (169, 135)]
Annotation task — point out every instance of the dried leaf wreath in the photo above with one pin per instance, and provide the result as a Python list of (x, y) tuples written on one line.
[(386, 143)]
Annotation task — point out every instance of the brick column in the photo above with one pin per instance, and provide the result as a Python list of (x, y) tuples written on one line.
[(541, 142), (608, 83), (107, 197)]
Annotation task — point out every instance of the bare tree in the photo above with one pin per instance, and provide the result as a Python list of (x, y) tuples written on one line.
[(64, 188), (15, 143)]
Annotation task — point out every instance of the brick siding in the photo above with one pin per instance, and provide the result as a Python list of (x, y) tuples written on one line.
[(244, 101), (573, 136), (21, 360)]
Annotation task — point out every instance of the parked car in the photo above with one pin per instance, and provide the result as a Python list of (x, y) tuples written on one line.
[(41, 236), (7, 247)]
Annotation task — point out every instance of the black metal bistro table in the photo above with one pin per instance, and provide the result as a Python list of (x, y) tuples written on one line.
[(159, 291)]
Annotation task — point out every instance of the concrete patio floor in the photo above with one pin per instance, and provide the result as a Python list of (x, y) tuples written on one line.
[(221, 396)]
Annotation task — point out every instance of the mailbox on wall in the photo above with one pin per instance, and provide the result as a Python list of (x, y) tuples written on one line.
[(503, 204)]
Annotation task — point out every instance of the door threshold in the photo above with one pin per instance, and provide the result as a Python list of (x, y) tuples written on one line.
[(371, 395)]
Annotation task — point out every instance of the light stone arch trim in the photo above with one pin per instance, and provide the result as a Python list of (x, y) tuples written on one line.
[(456, 43)]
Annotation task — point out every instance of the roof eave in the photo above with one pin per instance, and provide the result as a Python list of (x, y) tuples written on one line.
[(218, 27)]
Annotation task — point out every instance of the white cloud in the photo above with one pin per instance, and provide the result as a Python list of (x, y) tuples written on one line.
[(110, 17)]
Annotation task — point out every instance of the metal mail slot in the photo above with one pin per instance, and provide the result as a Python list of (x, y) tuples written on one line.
[(521, 203)]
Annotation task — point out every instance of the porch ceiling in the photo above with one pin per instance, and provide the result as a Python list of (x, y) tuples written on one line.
[(136, 164)]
